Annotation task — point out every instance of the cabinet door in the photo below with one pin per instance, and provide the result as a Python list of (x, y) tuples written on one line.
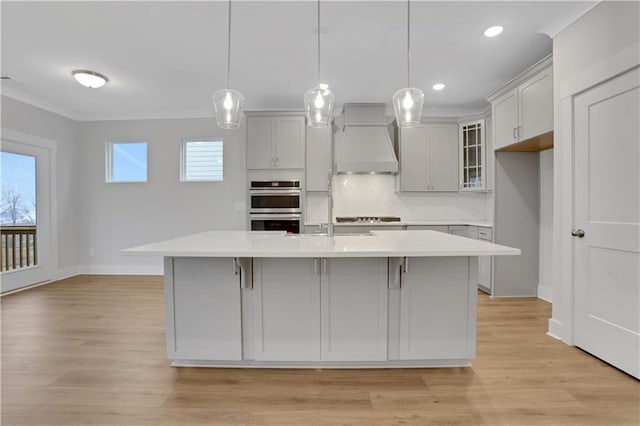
[(414, 159), (318, 153), (286, 309), (505, 119), (444, 158), (203, 309), (535, 105), (260, 136), (460, 230), (439, 228), (289, 143), (354, 309), (437, 309)]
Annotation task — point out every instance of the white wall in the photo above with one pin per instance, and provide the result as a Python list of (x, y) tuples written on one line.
[(374, 195), (38, 122), (120, 215), (546, 225), (601, 44)]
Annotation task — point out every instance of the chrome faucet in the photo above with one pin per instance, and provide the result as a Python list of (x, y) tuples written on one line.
[(330, 203)]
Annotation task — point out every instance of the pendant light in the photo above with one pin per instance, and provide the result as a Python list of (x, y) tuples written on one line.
[(318, 101), (228, 103), (407, 102)]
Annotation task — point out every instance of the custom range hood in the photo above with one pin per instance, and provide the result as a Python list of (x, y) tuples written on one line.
[(364, 144)]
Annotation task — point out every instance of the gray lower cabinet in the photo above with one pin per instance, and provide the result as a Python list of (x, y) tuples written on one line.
[(347, 229), (203, 311), (320, 309), (435, 293)]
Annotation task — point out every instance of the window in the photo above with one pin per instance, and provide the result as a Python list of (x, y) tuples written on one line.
[(201, 161), (127, 162)]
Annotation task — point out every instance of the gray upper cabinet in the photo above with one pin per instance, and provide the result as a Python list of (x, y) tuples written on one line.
[(535, 105), (318, 153), (275, 141), (524, 109), (473, 167), (428, 158)]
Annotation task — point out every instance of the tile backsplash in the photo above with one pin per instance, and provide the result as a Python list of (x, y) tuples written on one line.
[(374, 195)]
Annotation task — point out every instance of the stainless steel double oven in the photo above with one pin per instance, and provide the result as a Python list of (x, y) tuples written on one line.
[(275, 206)]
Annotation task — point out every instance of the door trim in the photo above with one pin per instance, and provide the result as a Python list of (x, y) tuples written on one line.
[(51, 146)]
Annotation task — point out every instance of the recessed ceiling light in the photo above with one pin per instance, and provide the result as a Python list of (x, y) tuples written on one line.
[(439, 86), (90, 79), (493, 31)]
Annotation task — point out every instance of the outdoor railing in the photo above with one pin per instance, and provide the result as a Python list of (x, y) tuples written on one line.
[(19, 247)]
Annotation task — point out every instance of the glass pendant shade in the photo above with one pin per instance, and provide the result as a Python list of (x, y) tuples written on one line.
[(407, 104), (318, 104), (228, 104)]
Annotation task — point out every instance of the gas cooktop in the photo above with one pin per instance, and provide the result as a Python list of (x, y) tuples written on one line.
[(367, 219)]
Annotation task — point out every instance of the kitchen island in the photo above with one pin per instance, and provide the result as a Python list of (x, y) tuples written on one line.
[(266, 299)]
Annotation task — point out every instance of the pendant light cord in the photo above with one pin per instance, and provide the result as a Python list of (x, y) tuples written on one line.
[(318, 43), (408, 43), (229, 46)]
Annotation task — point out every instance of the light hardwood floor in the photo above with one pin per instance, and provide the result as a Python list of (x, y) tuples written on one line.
[(91, 350)]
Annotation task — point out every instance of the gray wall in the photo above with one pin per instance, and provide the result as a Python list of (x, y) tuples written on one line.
[(97, 219), (121, 215), (38, 122)]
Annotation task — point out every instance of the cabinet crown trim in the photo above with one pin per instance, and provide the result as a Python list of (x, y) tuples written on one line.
[(520, 78)]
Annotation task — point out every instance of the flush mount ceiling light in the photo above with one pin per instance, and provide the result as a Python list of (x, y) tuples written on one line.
[(439, 86), (90, 79), (407, 102), (228, 103), (493, 31), (318, 101)]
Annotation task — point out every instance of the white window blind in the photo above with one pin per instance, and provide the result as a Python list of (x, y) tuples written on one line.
[(202, 161)]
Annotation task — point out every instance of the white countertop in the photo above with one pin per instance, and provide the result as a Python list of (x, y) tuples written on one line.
[(481, 223), (277, 244)]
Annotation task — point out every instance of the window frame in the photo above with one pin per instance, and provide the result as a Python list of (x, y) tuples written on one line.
[(183, 159), (109, 160)]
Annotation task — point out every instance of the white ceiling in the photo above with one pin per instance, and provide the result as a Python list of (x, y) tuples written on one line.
[(165, 59)]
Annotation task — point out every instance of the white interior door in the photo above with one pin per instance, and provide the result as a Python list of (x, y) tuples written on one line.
[(42, 266), (607, 222)]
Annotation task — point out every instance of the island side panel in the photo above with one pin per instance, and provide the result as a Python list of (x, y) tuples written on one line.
[(203, 309), (435, 312)]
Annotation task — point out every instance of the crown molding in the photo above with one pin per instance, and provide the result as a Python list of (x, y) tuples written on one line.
[(555, 27), (19, 95)]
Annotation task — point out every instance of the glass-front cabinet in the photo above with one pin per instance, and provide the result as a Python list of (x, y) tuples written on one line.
[(472, 156)]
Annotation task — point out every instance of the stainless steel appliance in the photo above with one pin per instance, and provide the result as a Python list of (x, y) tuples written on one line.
[(275, 206)]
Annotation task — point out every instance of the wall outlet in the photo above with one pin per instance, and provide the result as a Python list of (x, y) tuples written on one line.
[(91, 252), (241, 206)]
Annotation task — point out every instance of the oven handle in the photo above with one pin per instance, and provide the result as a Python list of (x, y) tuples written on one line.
[(275, 216), (274, 191), (293, 210)]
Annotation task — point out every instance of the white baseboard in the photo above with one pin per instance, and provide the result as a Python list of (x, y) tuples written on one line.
[(109, 270), (69, 272), (121, 269), (555, 329), (545, 293)]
